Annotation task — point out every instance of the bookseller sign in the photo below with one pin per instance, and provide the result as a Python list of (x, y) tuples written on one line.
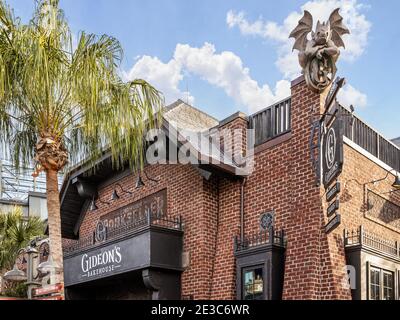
[(332, 152)]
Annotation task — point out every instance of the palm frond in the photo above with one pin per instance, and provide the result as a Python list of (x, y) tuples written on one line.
[(75, 95), (16, 231)]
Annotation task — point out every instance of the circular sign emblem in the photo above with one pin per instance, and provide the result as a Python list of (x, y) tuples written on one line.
[(330, 150)]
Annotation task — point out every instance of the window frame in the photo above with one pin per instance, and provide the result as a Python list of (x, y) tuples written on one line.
[(381, 285), (243, 280)]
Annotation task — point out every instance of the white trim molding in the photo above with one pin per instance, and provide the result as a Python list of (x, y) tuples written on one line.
[(368, 155)]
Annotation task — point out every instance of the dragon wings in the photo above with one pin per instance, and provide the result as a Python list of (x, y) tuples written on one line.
[(338, 29), (301, 31)]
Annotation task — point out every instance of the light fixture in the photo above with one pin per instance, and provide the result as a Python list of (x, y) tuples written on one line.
[(396, 183), (139, 182), (93, 206), (15, 275), (48, 266), (115, 195), (31, 250)]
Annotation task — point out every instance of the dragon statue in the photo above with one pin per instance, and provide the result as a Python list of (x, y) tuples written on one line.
[(319, 55)]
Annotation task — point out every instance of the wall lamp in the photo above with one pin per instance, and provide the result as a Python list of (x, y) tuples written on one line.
[(139, 181), (94, 207), (115, 195), (396, 183)]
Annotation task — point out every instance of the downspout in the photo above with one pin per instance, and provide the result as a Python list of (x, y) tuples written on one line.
[(242, 209)]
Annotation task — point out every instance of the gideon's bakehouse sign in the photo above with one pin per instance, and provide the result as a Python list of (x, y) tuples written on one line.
[(107, 260), (103, 261)]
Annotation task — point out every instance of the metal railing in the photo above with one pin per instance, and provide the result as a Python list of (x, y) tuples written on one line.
[(370, 140), (147, 220), (267, 237), (271, 122), (370, 240), (275, 120)]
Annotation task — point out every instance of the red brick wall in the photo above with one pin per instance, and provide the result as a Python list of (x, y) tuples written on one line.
[(228, 225), (190, 196), (359, 170), (235, 126), (224, 278)]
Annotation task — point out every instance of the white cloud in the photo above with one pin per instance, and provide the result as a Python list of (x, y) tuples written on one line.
[(224, 70), (287, 63), (351, 96), (164, 76)]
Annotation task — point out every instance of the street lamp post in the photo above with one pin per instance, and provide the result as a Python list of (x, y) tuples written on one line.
[(17, 275), (31, 252)]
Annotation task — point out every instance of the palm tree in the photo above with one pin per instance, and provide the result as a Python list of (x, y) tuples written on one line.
[(62, 101), (16, 231)]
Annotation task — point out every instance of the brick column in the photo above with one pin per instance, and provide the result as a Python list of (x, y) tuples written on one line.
[(228, 225), (310, 270), (224, 273)]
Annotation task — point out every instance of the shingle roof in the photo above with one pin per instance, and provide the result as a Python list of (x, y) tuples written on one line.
[(185, 116)]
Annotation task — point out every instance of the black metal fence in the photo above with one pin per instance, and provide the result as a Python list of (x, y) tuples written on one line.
[(370, 140), (267, 237), (373, 241), (271, 122), (110, 234), (276, 120)]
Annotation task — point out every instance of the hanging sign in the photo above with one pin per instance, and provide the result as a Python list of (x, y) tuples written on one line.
[(333, 208), (333, 192), (332, 152), (333, 224)]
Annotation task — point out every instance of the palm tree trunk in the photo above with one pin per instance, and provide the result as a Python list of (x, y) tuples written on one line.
[(54, 221)]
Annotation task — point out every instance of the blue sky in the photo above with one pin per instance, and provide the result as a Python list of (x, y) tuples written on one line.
[(233, 55)]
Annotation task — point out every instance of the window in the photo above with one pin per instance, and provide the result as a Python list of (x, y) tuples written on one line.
[(381, 284), (388, 286), (375, 284), (253, 283)]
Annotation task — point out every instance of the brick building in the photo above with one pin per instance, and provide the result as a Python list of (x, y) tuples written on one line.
[(317, 217)]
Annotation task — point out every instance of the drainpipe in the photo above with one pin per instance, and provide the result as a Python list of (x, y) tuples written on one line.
[(242, 209)]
